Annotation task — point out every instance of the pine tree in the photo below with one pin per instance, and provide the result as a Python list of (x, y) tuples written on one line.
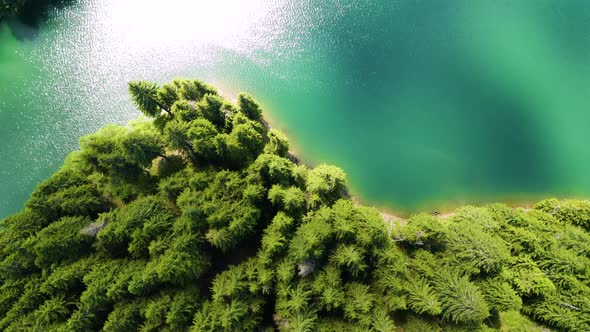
[(145, 96), (461, 300)]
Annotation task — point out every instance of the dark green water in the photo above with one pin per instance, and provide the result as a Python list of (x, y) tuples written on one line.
[(422, 103)]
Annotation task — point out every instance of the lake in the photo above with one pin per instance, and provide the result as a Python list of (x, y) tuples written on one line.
[(424, 104)]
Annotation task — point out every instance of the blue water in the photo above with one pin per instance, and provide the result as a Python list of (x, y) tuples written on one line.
[(424, 104)]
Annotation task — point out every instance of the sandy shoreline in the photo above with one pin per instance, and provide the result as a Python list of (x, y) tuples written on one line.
[(394, 218)]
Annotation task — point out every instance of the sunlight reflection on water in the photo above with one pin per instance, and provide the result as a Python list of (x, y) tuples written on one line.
[(418, 101)]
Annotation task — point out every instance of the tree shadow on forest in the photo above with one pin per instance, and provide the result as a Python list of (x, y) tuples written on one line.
[(25, 25)]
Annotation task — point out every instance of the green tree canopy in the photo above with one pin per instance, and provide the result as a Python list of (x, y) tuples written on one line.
[(145, 96), (204, 222)]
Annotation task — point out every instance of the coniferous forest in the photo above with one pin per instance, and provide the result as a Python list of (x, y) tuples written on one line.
[(200, 219)]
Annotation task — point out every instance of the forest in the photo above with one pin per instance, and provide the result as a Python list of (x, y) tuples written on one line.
[(197, 217)]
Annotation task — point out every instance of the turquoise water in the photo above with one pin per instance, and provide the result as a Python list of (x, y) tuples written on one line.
[(422, 103)]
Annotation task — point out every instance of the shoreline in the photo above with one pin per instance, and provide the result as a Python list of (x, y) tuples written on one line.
[(447, 211), (391, 213)]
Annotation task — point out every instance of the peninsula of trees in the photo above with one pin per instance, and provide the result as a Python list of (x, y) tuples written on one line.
[(200, 219)]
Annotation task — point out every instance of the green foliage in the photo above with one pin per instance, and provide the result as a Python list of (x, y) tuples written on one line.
[(351, 258), (143, 147), (291, 200), (274, 169), (421, 230), (201, 135), (514, 321), (184, 110), (275, 238), (422, 298), (311, 238), (500, 295), (529, 280), (461, 300), (475, 215), (181, 263), (66, 193), (227, 205), (358, 303), (52, 311), (249, 107), (171, 187), (390, 278), (62, 240), (218, 316), (193, 90), (569, 211), (67, 278), (241, 146), (277, 144), (198, 220), (210, 108), (382, 320), (19, 227), (327, 286), (325, 184), (419, 324), (475, 249), (30, 299), (228, 284), (123, 154), (167, 94), (183, 307), (134, 226), (126, 316), (145, 96)]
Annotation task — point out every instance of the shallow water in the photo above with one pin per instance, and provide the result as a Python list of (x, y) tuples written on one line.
[(422, 103)]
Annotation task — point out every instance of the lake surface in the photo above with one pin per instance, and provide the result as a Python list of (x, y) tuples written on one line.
[(422, 103)]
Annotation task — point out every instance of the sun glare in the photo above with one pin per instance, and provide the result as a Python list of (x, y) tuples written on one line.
[(156, 24)]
